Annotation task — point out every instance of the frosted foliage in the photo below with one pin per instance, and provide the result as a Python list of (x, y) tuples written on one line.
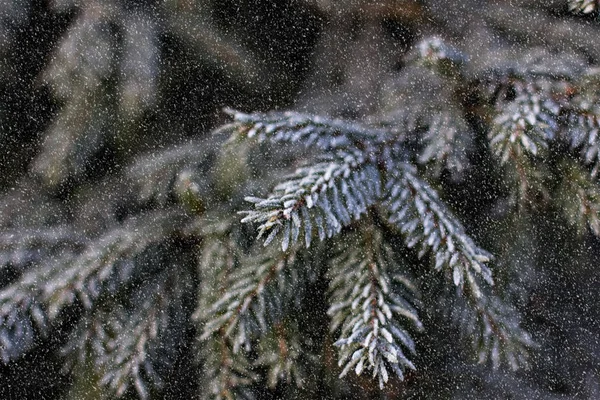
[(584, 127), (364, 307), (291, 127), (435, 50), (326, 195), (424, 220), (368, 305), (526, 124), (584, 6), (299, 200), (102, 266)]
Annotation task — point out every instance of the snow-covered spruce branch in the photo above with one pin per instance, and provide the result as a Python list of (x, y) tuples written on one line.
[(525, 124), (369, 300), (219, 258), (139, 334), (583, 6), (426, 222), (325, 196), (226, 375), (579, 197), (126, 342), (282, 354), (38, 297), (22, 248), (308, 130), (422, 217), (583, 129), (252, 302), (493, 328)]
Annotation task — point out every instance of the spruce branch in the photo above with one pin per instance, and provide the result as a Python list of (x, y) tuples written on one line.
[(227, 375), (219, 258), (369, 297), (583, 128), (26, 247), (583, 6), (141, 334), (259, 307), (493, 328), (251, 303), (130, 344), (282, 353), (326, 195), (525, 124), (308, 130), (424, 220), (579, 197), (105, 263)]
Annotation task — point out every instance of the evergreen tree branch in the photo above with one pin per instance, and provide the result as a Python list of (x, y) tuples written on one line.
[(579, 197), (424, 220), (282, 353), (252, 302), (130, 344), (526, 124), (583, 6), (141, 334), (22, 248), (328, 194), (90, 58), (227, 375), (493, 328), (105, 263), (308, 130), (368, 299), (219, 258)]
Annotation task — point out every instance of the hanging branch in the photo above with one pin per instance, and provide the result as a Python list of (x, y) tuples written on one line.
[(492, 326), (250, 303), (424, 220), (368, 303)]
